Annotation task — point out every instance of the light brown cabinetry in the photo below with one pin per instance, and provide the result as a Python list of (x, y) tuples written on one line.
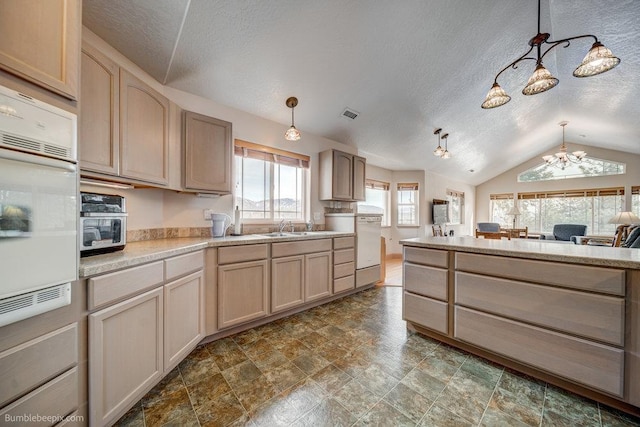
[(242, 292), (342, 176), (302, 272), (207, 154), (344, 266), (359, 177), (425, 282), (287, 282), (124, 123), (99, 118), (150, 317), (125, 354), (41, 42), (184, 317), (144, 131), (243, 284)]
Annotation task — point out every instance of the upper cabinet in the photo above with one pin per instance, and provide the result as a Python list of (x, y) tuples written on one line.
[(144, 131), (341, 176), (99, 118), (359, 176), (208, 152), (40, 42), (124, 123)]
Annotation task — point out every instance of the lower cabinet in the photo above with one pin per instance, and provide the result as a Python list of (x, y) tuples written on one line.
[(299, 279), (317, 283), (125, 354), (242, 292), (135, 339), (287, 282), (183, 317)]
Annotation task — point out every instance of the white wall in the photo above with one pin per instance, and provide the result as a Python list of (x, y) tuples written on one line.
[(436, 187), (508, 181)]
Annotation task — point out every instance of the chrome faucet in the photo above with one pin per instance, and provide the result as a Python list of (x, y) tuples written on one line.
[(282, 225), (291, 227)]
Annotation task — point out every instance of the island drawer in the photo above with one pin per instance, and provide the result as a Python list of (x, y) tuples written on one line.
[(426, 281), (596, 279), (300, 247), (343, 255), (344, 283), (592, 364), (433, 257), (241, 253), (600, 317), (425, 312), (344, 242), (342, 270), (183, 264), (116, 286)]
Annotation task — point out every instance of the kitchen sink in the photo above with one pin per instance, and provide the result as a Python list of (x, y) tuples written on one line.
[(277, 234)]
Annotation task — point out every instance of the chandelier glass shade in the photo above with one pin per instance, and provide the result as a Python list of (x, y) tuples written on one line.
[(292, 134), (598, 60), (562, 158)]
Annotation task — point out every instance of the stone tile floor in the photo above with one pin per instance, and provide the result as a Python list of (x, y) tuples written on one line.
[(353, 362)]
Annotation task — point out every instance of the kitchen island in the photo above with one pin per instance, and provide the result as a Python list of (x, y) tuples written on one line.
[(568, 314)]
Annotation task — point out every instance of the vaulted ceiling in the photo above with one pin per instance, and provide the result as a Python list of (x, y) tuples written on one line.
[(407, 66)]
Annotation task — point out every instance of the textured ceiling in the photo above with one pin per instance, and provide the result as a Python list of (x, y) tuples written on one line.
[(408, 66)]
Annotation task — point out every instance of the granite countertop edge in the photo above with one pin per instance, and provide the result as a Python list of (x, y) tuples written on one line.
[(143, 252), (603, 256)]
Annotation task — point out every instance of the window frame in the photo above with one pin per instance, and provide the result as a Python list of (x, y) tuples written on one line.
[(456, 197), (375, 185), (414, 188), (272, 158)]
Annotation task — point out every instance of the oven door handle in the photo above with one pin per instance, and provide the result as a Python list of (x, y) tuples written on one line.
[(37, 160)]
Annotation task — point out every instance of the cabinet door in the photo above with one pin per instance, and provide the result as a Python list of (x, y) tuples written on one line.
[(184, 317), (98, 141), (144, 131), (125, 354), (359, 176), (208, 153), (342, 175), (41, 42), (318, 277), (242, 292), (287, 279)]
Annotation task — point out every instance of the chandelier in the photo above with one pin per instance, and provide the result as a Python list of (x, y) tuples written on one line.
[(443, 153), (562, 158), (292, 134), (598, 60)]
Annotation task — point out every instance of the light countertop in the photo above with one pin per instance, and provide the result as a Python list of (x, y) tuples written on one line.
[(142, 252), (535, 249)]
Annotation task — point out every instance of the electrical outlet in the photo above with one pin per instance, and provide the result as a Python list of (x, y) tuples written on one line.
[(207, 213)]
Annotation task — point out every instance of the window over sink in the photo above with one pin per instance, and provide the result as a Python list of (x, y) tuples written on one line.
[(271, 184)]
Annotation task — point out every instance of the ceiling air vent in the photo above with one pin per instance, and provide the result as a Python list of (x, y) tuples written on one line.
[(349, 113)]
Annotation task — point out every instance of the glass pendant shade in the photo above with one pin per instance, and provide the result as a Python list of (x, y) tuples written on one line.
[(540, 81), (599, 59), (446, 154), (438, 151), (292, 134), (496, 97)]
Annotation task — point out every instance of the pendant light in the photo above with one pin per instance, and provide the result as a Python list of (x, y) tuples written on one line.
[(292, 134), (446, 154), (598, 60), (439, 150)]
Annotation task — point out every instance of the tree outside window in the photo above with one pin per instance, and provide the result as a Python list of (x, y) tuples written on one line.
[(456, 206)]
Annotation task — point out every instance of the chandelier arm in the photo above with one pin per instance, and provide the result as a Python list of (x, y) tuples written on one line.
[(514, 63), (567, 42)]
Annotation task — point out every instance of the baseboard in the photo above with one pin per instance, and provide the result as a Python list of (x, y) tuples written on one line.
[(394, 256)]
